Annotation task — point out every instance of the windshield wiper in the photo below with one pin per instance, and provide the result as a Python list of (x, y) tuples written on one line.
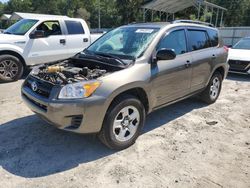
[(7, 32), (105, 56), (110, 56)]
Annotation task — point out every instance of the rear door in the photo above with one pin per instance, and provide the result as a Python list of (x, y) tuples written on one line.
[(50, 48), (77, 37), (202, 57), (172, 78)]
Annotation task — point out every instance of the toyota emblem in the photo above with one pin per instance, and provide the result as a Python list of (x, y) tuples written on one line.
[(34, 86)]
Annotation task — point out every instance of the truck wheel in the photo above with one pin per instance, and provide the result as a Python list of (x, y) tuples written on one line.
[(11, 68), (123, 123), (212, 92)]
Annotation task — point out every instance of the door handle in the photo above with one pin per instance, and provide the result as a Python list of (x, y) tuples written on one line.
[(62, 41), (188, 64), (85, 40)]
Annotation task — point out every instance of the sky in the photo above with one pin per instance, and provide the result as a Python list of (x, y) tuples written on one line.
[(4, 1)]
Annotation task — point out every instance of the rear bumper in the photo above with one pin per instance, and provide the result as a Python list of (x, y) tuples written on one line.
[(80, 116)]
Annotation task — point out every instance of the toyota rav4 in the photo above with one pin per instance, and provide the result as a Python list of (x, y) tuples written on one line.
[(111, 86)]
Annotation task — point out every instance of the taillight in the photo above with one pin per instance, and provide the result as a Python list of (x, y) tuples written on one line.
[(226, 48)]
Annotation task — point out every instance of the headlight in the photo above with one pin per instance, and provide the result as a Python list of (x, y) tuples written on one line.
[(79, 90)]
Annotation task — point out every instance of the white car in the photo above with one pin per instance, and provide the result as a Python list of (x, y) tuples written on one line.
[(239, 57), (39, 40)]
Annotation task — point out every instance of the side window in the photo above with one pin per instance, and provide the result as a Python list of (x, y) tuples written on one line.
[(50, 28), (214, 38), (198, 39), (74, 27), (175, 40)]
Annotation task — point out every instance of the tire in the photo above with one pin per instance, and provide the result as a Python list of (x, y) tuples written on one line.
[(11, 68), (120, 131), (213, 89)]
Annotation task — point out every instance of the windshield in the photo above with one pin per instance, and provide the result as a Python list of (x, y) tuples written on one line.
[(130, 42), (21, 27), (243, 44)]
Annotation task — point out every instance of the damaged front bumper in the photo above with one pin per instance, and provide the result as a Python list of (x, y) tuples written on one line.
[(76, 115)]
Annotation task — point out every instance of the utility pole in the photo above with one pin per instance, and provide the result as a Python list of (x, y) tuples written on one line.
[(99, 14), (67, 7)]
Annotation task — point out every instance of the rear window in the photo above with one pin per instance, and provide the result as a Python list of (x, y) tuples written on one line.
[(214, 37), (198, 39), (74, 27)]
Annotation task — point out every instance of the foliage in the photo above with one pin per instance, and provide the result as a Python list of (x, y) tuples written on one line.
[(238, 12), (118, 12), (204, 18)]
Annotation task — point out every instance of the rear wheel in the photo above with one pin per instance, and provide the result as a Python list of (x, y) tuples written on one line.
[(11, 68), (212, 92), (123, 123)]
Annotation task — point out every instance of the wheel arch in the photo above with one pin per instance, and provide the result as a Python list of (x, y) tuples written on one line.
[(137, 92), (221, 70), (13, 53)]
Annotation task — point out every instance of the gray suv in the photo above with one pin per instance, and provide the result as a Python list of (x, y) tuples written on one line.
[(111, 86)]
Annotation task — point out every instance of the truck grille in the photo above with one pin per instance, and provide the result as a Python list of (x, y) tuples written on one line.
[(43, 88), (241, 66)]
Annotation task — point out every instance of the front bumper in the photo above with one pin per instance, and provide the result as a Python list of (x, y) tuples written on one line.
[(80, 115), (238, 66)]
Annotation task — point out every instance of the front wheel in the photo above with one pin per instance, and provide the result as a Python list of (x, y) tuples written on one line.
[(11, 68), (212, 92), (123, 123)]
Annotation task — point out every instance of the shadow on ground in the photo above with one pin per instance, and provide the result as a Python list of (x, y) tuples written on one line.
[(32, 148), (238, 77)]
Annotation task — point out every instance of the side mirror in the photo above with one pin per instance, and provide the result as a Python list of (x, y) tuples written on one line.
[(229, 46), (165, 54), (37, 34)]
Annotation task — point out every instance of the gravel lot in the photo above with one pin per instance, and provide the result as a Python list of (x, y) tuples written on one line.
[(187, 144)]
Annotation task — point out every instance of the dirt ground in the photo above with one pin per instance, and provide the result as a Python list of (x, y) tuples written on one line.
[(187, 144)]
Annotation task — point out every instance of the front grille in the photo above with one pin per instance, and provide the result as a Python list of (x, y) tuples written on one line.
[(39, 105), (43, 88), (236, 65)]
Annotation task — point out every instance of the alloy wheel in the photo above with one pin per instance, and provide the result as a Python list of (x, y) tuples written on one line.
[(215, 88), (126, 123), (8, 69)]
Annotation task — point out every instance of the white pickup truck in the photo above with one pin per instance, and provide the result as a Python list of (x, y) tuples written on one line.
[(41, 39)]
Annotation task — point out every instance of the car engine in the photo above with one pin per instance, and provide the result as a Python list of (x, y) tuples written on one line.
[(64, 73)]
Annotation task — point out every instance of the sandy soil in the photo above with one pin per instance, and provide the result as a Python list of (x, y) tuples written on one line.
[(187, 144)]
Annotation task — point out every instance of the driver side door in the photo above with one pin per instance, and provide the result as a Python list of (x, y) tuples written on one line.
[(51, 47), (172, 77)]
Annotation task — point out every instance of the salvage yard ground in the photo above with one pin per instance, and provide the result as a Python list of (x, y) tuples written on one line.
[(187, 144)]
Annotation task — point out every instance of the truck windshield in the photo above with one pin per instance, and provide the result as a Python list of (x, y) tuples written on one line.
[(21, 27), (243, 44), (130, 42)]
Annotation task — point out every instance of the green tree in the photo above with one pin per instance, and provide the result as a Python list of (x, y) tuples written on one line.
[(45, 6), (129, 10), (237, 13), (18, 6), (118, 12), (82, 13)]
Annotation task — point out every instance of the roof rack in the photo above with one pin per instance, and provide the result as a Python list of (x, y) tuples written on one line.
[(193, 22)]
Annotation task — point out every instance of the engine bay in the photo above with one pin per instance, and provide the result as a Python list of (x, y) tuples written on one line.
[(69, 71)]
